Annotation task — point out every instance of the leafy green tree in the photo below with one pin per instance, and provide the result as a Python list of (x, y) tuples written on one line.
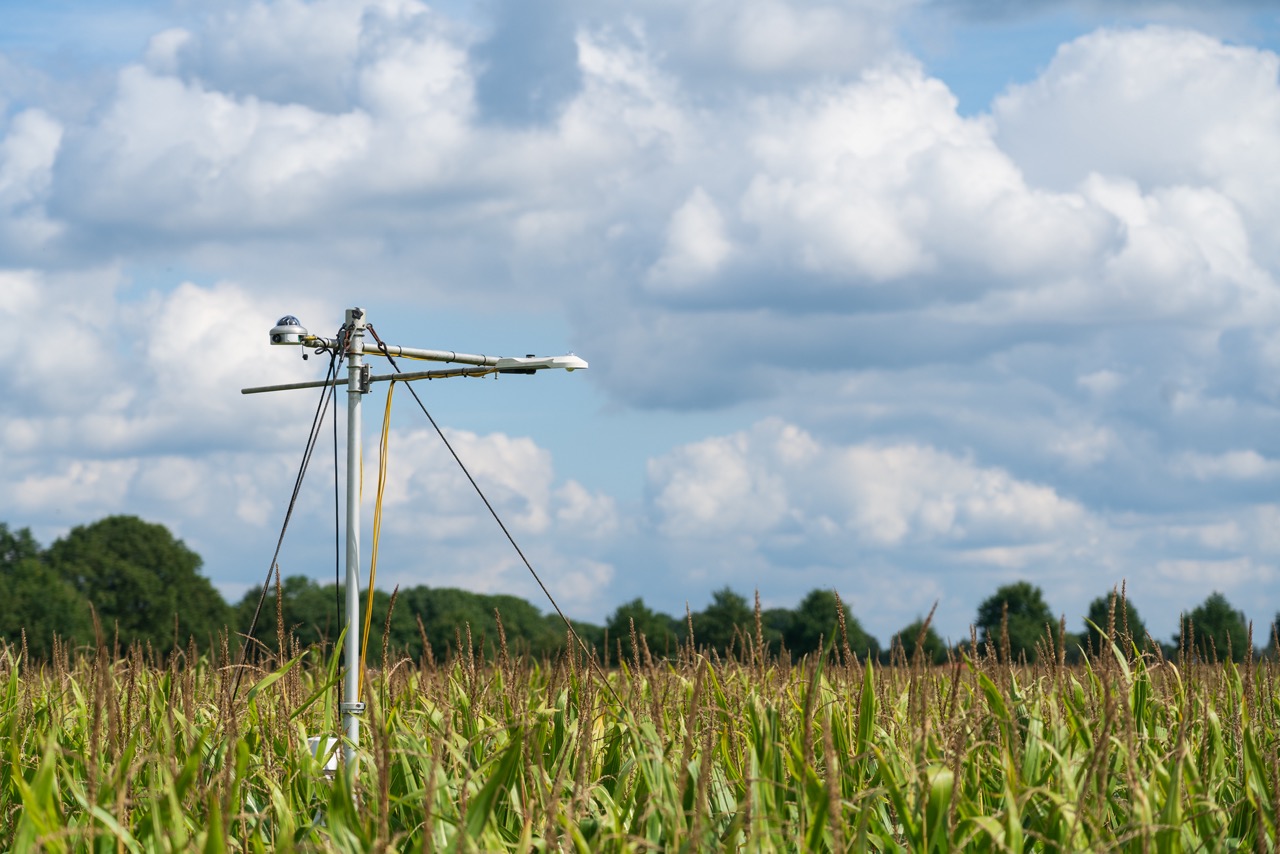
[(930, 646), (449, 616), (658, 630), (309, 613), (724, 623), (817, 621), (141, 581), (1214, 630), (17, 546), (814, 622), (36, 603), (1128, 625), (592, 634), (776, 623), (1029, 619), (527, 629)]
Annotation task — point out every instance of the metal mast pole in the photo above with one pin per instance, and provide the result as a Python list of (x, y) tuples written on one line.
[(357, 385), (288, 331)]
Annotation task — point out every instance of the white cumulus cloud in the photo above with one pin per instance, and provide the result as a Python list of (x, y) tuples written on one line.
[(753, 484)]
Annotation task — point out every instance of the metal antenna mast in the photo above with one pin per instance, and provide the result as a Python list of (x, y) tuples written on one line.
[(351, 706), (288, 331)]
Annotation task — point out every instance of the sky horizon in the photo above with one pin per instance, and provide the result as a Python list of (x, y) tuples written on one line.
[(905, 299)]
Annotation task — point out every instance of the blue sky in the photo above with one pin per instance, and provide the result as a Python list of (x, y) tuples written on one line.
[(908, 299)]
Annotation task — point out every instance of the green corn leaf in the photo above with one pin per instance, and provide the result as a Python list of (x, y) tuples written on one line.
[(482, 808), (270, 679), (866, 712), (1258, 781), (941, 787), (215, 840)]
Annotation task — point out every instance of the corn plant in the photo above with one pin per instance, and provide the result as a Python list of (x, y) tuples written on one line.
[(109, 750)]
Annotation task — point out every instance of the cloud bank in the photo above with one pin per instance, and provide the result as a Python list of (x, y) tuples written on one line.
[(950, 350)]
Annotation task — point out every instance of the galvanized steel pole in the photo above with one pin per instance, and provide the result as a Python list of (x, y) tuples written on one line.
[(289, 331), (357, 386)]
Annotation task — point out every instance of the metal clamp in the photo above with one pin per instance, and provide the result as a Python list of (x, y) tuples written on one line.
[(351, 708), (366, 371)]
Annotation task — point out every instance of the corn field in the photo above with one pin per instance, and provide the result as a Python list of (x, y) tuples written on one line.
[(115, 750)]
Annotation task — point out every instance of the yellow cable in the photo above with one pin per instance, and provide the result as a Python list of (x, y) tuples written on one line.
[(383, 448)]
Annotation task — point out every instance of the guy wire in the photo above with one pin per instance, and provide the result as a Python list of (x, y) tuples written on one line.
[(591, 658), (322, 406)]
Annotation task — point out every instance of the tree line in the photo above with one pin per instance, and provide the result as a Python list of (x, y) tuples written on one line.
[(122, 580)]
